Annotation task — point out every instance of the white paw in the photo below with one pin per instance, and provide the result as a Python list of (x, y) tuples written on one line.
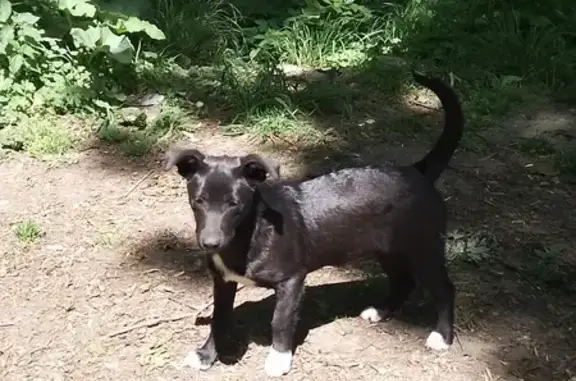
[(436, 342), (193, 361), (372, 314), (278, 363)]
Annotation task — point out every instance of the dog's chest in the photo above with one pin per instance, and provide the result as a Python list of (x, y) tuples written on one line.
[(265, 271), (271, 263)]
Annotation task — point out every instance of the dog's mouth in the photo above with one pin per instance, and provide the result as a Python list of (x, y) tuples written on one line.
[(208, 251)]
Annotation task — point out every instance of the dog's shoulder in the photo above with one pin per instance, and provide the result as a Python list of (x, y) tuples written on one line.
[(280, 196)]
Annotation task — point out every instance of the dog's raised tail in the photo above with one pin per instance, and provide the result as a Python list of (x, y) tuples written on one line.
[(436, 161)]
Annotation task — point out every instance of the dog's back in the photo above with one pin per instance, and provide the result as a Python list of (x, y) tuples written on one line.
[(359, 211), (377, 209)]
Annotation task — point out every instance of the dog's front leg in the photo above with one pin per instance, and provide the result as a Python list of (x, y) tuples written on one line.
[(288, 297), (206, 355)]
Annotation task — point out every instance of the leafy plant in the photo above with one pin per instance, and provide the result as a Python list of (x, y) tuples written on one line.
[(111, 37), (197, 31), (323, 33), (65, 63)]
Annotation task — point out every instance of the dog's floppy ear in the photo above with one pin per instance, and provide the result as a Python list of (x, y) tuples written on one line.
[(188, 161), (256, 168), (273, 204)]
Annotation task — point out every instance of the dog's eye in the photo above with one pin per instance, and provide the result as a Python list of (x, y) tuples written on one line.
[(232, 204), (199, 201)]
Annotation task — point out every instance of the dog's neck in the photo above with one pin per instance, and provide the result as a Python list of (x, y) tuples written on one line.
[(240, 244)]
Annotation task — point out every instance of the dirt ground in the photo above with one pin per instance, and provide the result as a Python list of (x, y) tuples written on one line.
[(115, 290)]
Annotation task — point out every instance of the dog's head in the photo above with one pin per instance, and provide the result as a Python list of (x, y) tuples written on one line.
[(220, 190)]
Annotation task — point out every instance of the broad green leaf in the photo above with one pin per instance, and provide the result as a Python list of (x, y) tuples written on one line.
[(78, 8), (31, 32), (120, 47), (83, 10), (15, 44), (15, 63), (87, 38), (25, 18), (66, 5), (5, 10), (6, 35), (134, 24), (28, 51)]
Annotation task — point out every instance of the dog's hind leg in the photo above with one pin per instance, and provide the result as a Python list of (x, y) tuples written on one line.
[(401, 284), (224, 295)]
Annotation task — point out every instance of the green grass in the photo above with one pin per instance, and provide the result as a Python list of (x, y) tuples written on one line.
[(340, 42), (42, 135), (196, 31), (546, 266), (540, 146), (566, 162), (277, 122), (537, 146), (498, 55), (26, 231), (532, 46), (139, 137)]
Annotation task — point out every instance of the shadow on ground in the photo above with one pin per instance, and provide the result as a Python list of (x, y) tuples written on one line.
[(532, 328)]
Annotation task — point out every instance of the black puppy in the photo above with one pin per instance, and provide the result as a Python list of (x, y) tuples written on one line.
[(284, 230), (221, 194)]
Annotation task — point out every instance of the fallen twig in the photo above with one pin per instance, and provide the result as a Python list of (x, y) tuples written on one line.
[(459, 342), (4, 325), (155, 322), (138, 183), (151, 323), (175, 300), (520, 272)]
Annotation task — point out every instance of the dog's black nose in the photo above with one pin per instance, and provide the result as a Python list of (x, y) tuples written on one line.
[(211, 243)]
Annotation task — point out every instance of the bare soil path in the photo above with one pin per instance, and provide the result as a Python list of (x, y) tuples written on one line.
[(110, 259)]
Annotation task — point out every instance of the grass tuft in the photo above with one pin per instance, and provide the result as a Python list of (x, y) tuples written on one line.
[(138, 138), (196, 31), (547, 266), (26, 231), (537, 146), (41, 135), (566, 162)]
